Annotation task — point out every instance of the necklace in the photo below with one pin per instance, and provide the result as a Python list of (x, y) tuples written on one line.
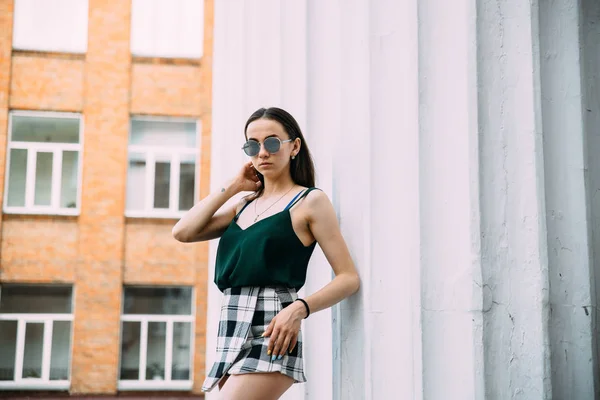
[(256, 202)]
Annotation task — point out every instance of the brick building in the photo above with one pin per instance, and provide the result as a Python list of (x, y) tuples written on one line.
[(105, 111)]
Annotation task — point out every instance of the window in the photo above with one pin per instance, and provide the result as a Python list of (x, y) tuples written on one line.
[(157, 327), (35, 336), (167, 28), (43, 163), (161, 178), (51, 25)]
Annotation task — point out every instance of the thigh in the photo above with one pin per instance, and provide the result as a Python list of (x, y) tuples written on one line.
[(255, 386)]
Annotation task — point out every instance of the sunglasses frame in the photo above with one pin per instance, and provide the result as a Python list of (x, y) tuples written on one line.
[(262, 144)]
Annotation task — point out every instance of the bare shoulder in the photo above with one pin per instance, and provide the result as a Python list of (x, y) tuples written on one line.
[(318, 205)]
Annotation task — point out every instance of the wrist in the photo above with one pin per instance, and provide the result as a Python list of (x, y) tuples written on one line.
[(229, 188), (302, 310)]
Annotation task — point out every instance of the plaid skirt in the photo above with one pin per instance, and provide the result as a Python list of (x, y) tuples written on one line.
[(245, 314)]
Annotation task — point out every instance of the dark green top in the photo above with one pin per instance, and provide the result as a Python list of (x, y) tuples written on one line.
[(267, 253)]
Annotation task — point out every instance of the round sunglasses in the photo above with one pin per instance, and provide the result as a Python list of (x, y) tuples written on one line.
[(272, 145)]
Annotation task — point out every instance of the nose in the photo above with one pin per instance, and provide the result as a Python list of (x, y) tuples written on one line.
[(262, 153)]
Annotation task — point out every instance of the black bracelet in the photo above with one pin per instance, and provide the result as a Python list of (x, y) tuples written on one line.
[(305, 306)]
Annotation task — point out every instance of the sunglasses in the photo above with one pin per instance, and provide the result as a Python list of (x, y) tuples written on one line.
[(272, 145)]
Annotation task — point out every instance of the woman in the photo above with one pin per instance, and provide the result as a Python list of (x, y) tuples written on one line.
[(262, 258)]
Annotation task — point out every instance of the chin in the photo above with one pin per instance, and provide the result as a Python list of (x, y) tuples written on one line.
[(269, 171)]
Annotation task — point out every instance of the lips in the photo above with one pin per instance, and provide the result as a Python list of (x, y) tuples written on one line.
[(264, 164)]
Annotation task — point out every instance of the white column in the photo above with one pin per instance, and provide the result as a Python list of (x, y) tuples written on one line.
[(513, 224), (260, 60), (566, 202), (590, 31), (392, 291), (449, 202)]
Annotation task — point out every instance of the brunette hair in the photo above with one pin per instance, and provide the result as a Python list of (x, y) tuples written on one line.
[(302, 168)]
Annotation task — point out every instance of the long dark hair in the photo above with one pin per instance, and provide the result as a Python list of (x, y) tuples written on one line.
[(302, 168)]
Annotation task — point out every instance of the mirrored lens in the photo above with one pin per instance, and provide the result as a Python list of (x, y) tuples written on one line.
[(272, 144), (251, 148)]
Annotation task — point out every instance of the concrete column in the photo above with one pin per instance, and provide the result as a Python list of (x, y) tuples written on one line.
[(569, 255), (392, 287), (513, 224), (98, 276), (590, 40), (260, 60), (451, 285)]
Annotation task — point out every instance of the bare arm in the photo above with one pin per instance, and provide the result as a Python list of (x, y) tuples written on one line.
[(205, 220), (323, 224)]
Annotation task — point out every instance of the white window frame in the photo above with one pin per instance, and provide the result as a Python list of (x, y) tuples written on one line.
[(174, 153), (167, 383), (43, 383), (33, 148)]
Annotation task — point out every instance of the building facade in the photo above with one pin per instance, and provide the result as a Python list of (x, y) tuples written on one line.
[(105, 121), (459, 143)]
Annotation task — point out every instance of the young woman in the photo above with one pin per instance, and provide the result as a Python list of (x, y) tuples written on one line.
[(266, 242)]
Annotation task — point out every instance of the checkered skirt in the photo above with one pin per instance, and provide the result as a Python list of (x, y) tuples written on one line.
[(245, 314)]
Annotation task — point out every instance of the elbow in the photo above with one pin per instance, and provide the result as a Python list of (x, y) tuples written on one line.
[(179, 234), (354, 284)]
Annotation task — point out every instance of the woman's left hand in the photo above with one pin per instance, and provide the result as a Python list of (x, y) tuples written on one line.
[(283, 330)]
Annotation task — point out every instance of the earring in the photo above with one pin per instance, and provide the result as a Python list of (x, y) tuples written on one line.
[(293, 157)]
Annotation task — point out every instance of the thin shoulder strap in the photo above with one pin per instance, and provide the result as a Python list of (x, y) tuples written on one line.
[(307, 191), (243, 208), (294, 199)]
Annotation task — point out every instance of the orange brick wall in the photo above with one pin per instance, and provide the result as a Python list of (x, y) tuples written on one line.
[(6, 23), (100, 250), (170, 89), (47, 83)]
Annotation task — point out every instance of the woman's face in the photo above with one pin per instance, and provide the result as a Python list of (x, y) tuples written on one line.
[(271, 164)]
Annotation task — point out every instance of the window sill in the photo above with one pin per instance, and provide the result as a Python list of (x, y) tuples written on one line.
[(155, 385), (154, 214), (35, 384), (41, 211)]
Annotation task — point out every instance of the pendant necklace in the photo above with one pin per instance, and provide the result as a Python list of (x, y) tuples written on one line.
[(256, 202)]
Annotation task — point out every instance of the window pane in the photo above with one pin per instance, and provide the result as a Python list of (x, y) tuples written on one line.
[(130, 350), (181, 351), (187, 175), (51, 25), (68, 190), (166, 301), (163, 133), (16, 178), (61, 348), (34, 343), (155, 363), (162, 180), (35, 299), (136, 182), (45, 129), (8, 347), (43, 179)]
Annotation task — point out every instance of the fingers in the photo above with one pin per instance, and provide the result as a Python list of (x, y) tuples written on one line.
[(272, 342), (269, 329), (284, 347), (280, 343), (293, 343)]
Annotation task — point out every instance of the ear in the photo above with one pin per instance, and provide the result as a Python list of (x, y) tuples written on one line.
[(297, 145)]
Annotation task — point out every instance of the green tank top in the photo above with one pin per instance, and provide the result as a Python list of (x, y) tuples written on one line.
[(267, 253)]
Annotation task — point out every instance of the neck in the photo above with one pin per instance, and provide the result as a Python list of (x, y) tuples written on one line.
[(277, 186)]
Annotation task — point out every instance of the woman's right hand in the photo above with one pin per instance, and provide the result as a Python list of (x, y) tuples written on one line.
[(247, 179)]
